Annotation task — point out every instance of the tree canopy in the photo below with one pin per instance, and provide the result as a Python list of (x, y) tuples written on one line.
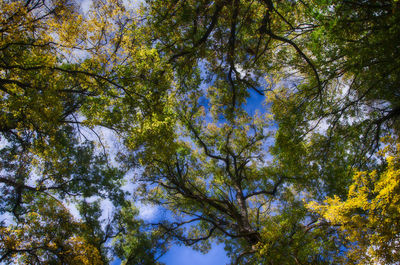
[(160, 104)]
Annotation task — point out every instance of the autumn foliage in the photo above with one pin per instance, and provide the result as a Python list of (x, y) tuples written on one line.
[(270, 127)]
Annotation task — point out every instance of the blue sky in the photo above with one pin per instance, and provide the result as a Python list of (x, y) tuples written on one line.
[(181, 255)]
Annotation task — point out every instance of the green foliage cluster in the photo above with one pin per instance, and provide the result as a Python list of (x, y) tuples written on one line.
[(296, 182)]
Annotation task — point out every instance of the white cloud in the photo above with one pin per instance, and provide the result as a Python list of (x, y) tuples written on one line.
[(85, 5), (132, 4), (147, 212), (73, 210)]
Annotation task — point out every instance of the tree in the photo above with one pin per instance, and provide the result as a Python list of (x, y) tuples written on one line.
[(326, 133), (217, 183), (368, 218), (137, 244), (339, 124), (40, 125), (57, 74), (58, 241)]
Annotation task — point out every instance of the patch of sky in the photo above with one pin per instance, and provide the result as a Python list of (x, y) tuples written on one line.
[(148, 212), (132, 4), (181, 255), (85, 6), (129, 4), (116, 262), (6, 218), (255, 103)]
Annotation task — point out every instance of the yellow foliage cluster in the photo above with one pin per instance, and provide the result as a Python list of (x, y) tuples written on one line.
[(48, 234), (369, 217)]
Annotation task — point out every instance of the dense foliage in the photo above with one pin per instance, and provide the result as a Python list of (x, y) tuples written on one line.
[(254, 124)]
